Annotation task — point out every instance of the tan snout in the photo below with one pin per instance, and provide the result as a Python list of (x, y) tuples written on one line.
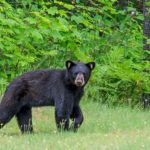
[(79, 81)]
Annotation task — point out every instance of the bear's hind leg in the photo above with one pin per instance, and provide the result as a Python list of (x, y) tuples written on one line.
[(6, 114), (24, 118)]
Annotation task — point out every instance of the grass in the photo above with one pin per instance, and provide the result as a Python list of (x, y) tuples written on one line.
[(104, 128)]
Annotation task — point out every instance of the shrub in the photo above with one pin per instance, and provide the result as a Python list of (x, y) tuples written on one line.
[(44, 34)]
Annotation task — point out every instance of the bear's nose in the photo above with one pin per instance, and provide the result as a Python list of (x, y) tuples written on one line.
[(79, 81)]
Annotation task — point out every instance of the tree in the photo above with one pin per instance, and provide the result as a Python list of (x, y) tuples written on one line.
[(146, 26), (146, 12)]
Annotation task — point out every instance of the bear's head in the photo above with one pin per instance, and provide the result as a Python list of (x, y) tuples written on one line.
[(78, 72)]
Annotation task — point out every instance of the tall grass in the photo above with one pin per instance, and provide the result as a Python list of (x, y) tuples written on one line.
[(104, 128)]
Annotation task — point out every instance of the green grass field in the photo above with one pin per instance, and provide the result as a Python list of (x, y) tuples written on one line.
[(104, 128)]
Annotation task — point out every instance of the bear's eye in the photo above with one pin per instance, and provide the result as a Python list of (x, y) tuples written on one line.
[(84, 74), (76, 73)]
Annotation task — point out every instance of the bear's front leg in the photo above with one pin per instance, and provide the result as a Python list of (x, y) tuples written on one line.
[(63, 111), (77, 117), (62, 121)]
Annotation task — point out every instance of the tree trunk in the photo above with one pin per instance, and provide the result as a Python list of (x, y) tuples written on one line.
[(146, 12), (146, 27)]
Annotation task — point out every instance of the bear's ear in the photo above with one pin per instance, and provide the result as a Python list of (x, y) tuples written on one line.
[(91, 65), (69, 64)]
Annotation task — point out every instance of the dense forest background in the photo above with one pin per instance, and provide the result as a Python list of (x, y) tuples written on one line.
[(44, 34)]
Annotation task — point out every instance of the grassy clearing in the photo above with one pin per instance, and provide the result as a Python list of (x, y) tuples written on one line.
[(103, 129)]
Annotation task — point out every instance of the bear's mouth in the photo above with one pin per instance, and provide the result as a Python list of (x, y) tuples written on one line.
[(79, 83)]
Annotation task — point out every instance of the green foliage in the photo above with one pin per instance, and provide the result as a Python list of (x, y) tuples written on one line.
[(44, 34)]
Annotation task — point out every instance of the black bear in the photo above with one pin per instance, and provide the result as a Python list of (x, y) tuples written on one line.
[(62, 88)]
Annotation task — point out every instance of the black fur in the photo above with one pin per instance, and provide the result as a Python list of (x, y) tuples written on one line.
[(53, 87)]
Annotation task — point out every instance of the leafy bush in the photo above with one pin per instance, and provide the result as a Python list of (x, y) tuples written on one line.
[(40, 34)]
